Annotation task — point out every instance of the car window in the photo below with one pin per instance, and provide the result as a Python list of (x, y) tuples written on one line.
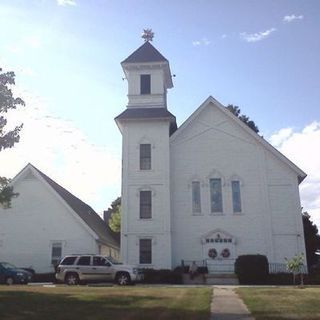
[(100, 261), (84, 261), (7, 265), (68, 261), (113, 260)]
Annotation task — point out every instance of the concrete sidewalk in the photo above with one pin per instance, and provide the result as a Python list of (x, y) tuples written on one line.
[(226, 305)]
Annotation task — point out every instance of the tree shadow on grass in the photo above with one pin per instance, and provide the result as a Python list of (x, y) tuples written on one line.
[(287, 316), (20, 305)]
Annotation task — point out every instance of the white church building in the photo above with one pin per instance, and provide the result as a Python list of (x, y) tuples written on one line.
[(210, 190)]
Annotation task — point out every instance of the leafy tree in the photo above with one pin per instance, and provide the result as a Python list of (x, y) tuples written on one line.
[(237, 112), (115, 217), (7, 137), (294, 265), (312, 239)]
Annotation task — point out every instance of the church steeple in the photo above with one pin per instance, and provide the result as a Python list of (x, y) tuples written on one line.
[(148, 74), (146, 126)]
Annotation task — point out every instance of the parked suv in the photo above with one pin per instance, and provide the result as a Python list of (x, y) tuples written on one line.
[(75, 269)]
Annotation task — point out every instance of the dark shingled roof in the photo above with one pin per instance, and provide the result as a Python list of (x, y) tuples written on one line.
[(146, 53), (149, 113), (85, 212)]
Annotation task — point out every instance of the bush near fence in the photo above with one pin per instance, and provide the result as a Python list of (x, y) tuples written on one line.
[(153, 276), (287, 279), (252, 269), (44, 277)]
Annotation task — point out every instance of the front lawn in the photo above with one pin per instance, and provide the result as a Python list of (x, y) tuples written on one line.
[(116, 303), (282, 303)]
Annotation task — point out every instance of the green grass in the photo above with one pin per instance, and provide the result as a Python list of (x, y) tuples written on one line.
[(116, 303), (282, 303)]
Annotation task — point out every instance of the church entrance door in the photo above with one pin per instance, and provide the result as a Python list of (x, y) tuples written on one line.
[(219, 251)]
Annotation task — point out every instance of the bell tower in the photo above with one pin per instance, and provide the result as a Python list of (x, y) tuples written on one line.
[(146, 126), (148, 74)]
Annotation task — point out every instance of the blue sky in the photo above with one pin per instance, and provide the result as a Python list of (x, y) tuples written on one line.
[(260, 55)]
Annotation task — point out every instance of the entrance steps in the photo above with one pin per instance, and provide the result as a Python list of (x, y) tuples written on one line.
[(222, 278), (212, 279)]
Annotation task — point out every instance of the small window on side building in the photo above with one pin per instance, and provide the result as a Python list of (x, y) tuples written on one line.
[(56, 253), (145, 83)]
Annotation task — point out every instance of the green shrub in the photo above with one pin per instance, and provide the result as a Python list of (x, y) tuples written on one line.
[(279, 278), (252, 269), (202, 270), (182, 269), (44, 277), (162, 276), (286, 279)]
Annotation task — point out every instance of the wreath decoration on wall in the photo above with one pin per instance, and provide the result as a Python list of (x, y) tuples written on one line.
[(225, 253), (212, 253)]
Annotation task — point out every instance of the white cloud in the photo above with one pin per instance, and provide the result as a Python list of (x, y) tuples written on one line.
[(66, 2), (279, 137), (16, 49), (27, 42), (291, 18), (26, 71), (32, 41), (63, 152), (302, 148), (223, 36), (202, 42), (258, 36)]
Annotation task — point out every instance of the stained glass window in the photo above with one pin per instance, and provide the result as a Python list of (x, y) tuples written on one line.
[(196, 197), (236, 196), (216, 195)]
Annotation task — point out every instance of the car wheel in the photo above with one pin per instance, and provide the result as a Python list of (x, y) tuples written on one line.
[(9, 281), (123, 279), (71, 279)]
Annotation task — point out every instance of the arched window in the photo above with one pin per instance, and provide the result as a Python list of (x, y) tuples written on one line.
[(236, 183), (236, 196), (196, 197), (216, 182)]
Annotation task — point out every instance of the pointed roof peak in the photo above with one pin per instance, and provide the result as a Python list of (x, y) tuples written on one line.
[(83, 210), (145, 53), (147, 35)]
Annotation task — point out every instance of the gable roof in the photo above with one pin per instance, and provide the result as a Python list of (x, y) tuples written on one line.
[(148, 114), (145, 53), (83, 210), (210, 100)]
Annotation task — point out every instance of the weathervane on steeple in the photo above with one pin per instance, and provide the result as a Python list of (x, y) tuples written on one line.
[(147, 35)]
